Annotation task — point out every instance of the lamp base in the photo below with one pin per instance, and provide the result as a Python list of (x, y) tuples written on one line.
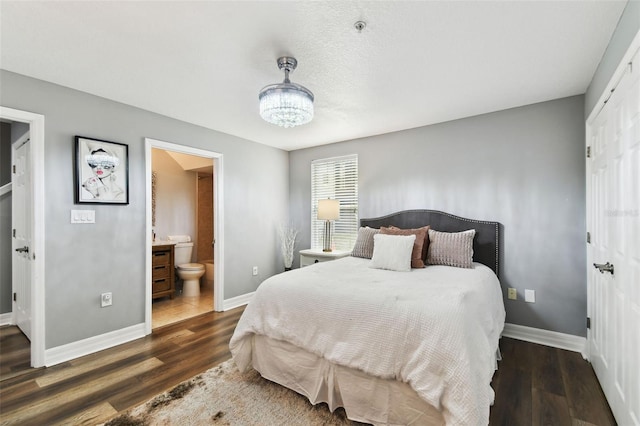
[(327, 237)]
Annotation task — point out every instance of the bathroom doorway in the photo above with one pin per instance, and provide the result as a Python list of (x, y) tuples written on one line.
[(184, 191)]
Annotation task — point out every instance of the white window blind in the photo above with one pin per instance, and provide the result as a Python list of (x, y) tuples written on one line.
[(335, 178)]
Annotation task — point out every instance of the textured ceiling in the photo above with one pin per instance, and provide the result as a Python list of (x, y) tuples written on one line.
[(416, 63)]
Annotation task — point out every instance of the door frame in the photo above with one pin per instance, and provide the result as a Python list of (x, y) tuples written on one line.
[(218, 221), (36, 164), (613, 81), (604, 96)]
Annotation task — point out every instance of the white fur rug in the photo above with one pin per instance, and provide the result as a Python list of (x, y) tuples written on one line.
[(224, 396)]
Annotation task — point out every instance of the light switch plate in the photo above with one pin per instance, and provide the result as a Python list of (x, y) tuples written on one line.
[(83, 216), (512, 293)]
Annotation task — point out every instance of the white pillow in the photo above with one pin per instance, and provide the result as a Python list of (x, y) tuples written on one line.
[(392, 252)]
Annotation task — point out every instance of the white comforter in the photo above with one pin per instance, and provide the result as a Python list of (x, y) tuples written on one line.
[(436, 328)]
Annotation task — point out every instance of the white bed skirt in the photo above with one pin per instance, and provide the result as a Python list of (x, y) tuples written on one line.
[(365, 398)]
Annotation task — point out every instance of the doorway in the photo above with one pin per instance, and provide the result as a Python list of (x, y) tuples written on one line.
[(32, 254), (182, 210), (202, 168)]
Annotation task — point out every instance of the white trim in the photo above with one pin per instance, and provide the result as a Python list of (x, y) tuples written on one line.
[(237, 301), (36, 130), (93, 344), (218, 220), (615, 78), (6, 318), (6, 188), (546, 337)]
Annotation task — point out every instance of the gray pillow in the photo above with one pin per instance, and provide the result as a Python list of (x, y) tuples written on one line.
[(451, 248), (364, 243)]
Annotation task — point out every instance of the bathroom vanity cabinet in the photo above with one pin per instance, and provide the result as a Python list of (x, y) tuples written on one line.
[(162, 274)]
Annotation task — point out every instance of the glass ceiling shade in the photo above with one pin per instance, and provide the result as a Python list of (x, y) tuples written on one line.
[(286, 104)]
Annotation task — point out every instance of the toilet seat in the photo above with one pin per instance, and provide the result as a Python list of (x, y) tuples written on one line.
[(191, 267)]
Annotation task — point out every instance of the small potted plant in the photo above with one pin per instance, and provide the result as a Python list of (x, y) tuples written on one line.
[(287, 242)]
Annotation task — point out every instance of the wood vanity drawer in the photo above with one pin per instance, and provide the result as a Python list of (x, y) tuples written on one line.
[(161, 271), (161, 257), (161, 284)]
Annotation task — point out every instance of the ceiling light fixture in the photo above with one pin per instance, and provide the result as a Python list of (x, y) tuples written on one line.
[(286, 104)]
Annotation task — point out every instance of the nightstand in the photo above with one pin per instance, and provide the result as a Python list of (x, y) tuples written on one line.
[(309, 256)]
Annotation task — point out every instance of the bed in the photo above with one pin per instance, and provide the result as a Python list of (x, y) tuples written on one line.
[(390, 347)]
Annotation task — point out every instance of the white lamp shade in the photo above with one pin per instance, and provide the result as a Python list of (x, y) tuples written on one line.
[(328, 209)]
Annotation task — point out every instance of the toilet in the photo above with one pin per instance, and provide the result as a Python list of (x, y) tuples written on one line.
[(188, 272)]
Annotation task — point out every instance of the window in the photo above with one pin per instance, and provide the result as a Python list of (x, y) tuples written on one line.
[(335, 178)]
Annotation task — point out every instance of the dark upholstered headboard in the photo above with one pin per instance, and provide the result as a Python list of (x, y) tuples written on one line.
[(485, 242)]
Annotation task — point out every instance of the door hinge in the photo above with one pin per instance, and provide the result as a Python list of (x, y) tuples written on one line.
[(14, 233), (15, 297), (588, 237), (588, 152), (588, 323), (14, 169)]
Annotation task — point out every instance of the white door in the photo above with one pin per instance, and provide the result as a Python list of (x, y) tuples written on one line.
[(21, 219), (613, 220)]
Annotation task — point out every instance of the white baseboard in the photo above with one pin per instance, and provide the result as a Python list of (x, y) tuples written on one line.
[(93, 344), (6, 319), (237, 301), (546, 337)]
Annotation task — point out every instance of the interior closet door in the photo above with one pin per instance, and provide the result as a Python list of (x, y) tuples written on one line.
[(21, 222), (613, 220)]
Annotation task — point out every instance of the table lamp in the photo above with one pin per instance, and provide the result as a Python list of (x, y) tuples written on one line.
[(328, 210)]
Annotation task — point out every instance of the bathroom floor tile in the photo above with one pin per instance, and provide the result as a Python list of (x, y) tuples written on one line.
[(167, 311)]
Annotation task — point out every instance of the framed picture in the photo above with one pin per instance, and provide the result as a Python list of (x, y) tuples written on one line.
[(102, 172)]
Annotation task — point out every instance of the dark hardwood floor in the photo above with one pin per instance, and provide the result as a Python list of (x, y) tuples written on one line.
[(540, 385), (535, 384), (15, 353)]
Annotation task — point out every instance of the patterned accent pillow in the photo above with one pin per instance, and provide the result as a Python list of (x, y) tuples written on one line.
[(421, 236), (364, 243), (451, 248), (392, 252)]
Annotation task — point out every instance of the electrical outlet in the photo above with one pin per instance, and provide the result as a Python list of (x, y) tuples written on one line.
[(530, 296), (106, 299), (512, 294), (255, 270)]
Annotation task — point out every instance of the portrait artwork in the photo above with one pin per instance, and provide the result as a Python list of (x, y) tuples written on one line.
[(102, 172)]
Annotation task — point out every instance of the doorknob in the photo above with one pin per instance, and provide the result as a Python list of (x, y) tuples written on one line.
[(24, 249), (606, 267)]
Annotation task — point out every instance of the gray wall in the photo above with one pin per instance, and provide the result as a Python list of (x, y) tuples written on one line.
[(83, 261), (522, 167), (176, 198), (5, 153), (627, 28), (5, 219)]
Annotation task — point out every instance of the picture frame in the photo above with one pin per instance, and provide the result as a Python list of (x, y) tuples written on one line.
[(102, 171)]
